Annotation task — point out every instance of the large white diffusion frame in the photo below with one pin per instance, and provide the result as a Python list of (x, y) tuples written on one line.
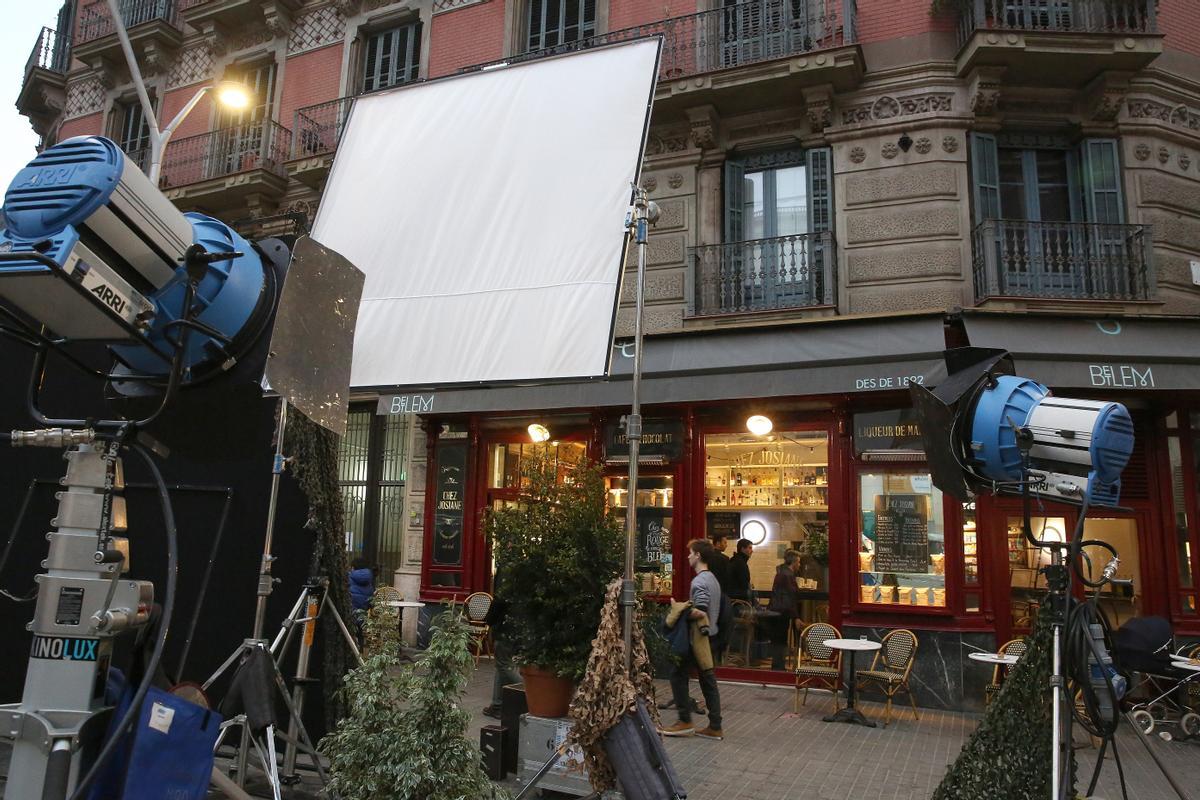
[(487, 211)]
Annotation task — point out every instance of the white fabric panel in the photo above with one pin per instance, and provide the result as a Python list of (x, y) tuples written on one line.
[(488, 212)]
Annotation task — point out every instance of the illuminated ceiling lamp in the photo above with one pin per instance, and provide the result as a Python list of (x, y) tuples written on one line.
[(538, 432), (755, 531), (759, 425)]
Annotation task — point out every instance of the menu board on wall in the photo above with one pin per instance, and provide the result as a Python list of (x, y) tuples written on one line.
[(724, 523), (902, 533), (448, 510), (653, 536)]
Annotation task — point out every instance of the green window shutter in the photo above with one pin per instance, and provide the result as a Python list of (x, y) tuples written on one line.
[(820, 189), (1101, 165), (985, 177), (735, 200)]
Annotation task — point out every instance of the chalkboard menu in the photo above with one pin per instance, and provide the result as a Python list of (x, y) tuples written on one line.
[(902, 533), (724, 523), (653, 536), (448, 507), (660, 437)]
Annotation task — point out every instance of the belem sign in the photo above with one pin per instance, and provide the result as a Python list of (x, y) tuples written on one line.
[(1121, 376), (405, 404)]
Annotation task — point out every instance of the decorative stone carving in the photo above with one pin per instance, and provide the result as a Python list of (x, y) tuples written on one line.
[(346, 7), (650, 183), (675, 180), (923, 145), (278, 18), (915, 182), (1164, 155), (155, 60), (1185, 161), (950, 144), (890, 150), (1179, 115), (660, 144), (891, 107), (1142, 151), (705, 126), (251, 37), (661, 249), (672, 214), (194, 64), (84, 97), (885, 225), (1105, 95), (858, 155), (984, 91), (874, 264), (316, 29), (818, 104)]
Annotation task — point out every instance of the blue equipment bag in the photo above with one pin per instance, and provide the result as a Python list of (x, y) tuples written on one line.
[(167, 754)]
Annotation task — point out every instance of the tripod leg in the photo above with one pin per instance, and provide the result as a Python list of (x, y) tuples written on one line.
[(224, 784), (234, 656), (289, 624), (345, 631), (300, 729)]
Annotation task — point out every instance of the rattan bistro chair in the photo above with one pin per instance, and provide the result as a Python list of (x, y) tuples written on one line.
[(890, 669), (1016, 648), (744, 627), (818, 665), (476, 607)]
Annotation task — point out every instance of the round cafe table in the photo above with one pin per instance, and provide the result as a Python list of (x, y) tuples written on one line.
[(850, 714), (994, 658)]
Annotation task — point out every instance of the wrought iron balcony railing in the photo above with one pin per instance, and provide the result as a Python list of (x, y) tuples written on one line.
[(733, 36), (1062, 260), (52, 52), (1059, 16), (763, 275), (318, 128), (258, 145), (96, 21)]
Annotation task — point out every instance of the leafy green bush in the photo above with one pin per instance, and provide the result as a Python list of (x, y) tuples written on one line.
[(555, 553), (403, 737)]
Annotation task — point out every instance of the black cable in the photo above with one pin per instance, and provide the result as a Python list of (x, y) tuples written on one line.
[(12, 537), (199, 604), (164, 625)]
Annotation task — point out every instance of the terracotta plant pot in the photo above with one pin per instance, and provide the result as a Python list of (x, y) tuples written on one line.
[(546, 694)]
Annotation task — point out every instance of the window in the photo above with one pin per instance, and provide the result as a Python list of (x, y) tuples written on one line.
[(778, 247), (555, 22), (1183, 460), (391, 57), (133, 130), (243, 140), (371, 472), (902, 553), (757, 30)]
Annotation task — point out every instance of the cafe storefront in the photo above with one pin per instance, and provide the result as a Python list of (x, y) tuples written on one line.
[(840, 478)]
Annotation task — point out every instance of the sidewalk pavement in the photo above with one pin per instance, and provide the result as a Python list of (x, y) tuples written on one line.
[(771, 753)]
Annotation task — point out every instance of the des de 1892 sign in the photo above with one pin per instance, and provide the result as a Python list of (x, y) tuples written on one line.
[(448, 507)]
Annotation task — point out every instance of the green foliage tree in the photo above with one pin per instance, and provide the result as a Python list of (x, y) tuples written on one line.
[(404, 734), (555, 553)]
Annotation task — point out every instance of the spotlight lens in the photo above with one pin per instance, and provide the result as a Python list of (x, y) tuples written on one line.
[(759, 425), (538, 432)]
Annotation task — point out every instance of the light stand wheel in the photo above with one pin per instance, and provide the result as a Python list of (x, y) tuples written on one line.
[(1143, 721), (1189, 725)]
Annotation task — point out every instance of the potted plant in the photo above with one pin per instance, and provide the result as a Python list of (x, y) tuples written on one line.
[(555, 553)]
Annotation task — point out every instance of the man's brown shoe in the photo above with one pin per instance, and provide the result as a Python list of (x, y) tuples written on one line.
[(678, 729), (711, 733)]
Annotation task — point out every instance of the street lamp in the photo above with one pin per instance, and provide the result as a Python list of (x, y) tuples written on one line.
[(231, 94)]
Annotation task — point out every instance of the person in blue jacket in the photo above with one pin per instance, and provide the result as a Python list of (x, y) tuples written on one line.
[(362, 588)]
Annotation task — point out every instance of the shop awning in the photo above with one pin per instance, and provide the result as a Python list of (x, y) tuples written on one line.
[(834, 357), (1077, 352)]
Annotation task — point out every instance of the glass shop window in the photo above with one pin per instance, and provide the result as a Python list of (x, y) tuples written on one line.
[(902, 553)]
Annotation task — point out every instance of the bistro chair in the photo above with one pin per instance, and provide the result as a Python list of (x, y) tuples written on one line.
[(744, 628), (818, 665), (1016, 648), (476, 608), (890, 669)]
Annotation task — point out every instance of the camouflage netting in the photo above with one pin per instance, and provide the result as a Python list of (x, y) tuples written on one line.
[(314, 452), (1009, 754), (607, 693)]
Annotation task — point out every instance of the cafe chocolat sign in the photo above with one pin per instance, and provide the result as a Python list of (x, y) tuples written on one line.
[(887, 430), (660, 437)]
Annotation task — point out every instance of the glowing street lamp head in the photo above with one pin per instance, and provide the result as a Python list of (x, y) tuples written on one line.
[(759, 425), (538, 432), (232, 95)]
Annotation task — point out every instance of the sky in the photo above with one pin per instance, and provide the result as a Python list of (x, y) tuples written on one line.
[(22, 22)]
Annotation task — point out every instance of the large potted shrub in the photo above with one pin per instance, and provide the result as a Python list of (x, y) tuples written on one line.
[(555, 551)]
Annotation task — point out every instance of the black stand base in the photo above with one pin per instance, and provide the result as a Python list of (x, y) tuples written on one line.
[(851, 716)]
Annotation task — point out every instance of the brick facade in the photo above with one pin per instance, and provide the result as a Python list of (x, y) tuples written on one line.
[(308, 79), (470, 35)]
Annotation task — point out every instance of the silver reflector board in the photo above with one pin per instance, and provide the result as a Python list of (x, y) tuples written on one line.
[(487, 211)]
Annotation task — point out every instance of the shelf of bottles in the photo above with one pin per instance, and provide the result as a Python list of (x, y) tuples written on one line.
[(783, 488), (970, 545)]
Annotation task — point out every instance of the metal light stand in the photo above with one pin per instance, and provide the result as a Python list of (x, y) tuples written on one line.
[(644, 212)]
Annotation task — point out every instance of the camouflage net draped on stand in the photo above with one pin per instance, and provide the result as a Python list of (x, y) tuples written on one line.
[(607, 693), (1008, 755), (314, 452)]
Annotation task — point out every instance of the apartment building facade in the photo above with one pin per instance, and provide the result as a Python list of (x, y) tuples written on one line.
[(847, 187)]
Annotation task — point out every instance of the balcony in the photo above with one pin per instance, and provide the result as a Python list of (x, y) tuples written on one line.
[(222, 18), (751, 47), (1062, 261), (153, 27), (44, 85), (786, 272), (1059, 43), (318, 129), (229, 168)]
